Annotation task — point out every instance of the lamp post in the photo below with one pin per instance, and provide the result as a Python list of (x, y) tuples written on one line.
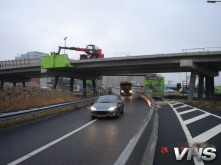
[(28, 57), (65, 38), (213, 1)]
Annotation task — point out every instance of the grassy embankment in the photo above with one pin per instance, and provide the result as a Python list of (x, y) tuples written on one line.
[(15, 99), (210, 105)]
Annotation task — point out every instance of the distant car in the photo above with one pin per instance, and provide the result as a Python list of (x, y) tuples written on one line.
[(47, 88), (184, 90), (168, 90), (107, 106)]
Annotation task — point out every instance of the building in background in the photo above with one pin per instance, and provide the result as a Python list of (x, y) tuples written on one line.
[(30, 55), (114, 81)]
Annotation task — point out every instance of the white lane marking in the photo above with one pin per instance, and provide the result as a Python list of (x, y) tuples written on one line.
[(208, 134), (188, 111), (49, 144), (172, 102), (186, 132), (176, 103), (202, 137), (198, 109), (196, 118), (183, 106)]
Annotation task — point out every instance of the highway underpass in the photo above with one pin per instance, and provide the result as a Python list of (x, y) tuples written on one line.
[(76, 139), (204, 64)]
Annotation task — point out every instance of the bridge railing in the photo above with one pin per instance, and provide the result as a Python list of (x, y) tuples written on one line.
[(18, 63)]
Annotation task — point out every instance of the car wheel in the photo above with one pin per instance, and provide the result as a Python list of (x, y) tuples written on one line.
[(118, 114), (83, 57), (93, 56), (92, 117), (122, 110)]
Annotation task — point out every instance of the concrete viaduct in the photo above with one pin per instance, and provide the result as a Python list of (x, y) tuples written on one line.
[(204, 64)]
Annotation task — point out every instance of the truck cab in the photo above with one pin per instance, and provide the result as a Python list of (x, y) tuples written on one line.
[(125, 88)]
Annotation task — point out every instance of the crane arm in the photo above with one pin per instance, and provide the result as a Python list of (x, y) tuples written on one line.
[(70, 48)]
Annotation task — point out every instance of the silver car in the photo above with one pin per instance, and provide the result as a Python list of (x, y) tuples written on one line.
[(107, 106)]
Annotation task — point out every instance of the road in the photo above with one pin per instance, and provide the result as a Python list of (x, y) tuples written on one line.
[(73, 138), (181, 125)]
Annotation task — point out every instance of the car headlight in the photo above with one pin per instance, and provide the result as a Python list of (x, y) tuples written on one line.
[(93, 109), (112, 108), (122, 91)]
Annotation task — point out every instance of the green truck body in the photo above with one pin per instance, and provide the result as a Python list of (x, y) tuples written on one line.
[(55, 61)]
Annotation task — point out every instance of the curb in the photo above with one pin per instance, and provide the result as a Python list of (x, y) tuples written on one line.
[(141, 148)]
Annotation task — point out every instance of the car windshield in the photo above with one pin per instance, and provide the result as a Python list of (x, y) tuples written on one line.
[(107, 99), (126, 85)]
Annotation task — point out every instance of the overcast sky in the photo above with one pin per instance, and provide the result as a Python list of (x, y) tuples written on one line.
[(118, 27)]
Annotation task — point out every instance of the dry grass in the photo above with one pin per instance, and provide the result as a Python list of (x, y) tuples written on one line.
[(205, 104), (211, 105), (13, 99)]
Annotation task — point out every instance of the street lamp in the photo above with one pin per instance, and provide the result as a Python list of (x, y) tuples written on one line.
[(213, 1), (65, 38)]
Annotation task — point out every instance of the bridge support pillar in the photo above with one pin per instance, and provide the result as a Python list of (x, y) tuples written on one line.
[(201, 87), (71, 84), (84, 88), (94, 87), (2, 85), (210, 87), (55, 82), (23, 84), (191, 86)]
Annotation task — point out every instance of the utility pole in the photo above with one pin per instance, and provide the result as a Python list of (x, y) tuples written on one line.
[(65, 38)]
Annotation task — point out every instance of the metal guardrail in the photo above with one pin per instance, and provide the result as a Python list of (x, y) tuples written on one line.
[(11, 115)]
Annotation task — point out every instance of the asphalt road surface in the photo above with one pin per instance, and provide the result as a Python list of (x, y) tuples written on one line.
[(181, 125), (73, 138)]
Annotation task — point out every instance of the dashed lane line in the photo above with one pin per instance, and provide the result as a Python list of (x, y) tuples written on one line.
[(203, 137), (49, 144), (190, 106), (196, 118), (188, 111), (176, 103), (186, 132), (183, 106)]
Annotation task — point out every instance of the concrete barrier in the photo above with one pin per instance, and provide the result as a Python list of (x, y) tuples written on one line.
[(141, 148)]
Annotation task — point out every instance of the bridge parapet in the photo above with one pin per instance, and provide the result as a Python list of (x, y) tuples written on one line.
[(51, 61), (18, 63)]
